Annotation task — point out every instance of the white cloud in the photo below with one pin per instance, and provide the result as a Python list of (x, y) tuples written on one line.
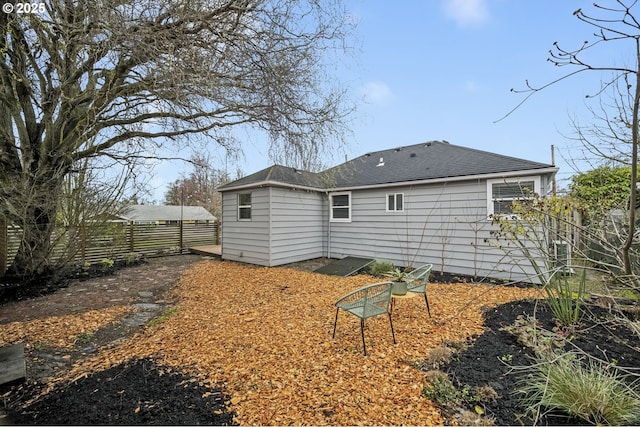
[(467, 13), (376, 92)]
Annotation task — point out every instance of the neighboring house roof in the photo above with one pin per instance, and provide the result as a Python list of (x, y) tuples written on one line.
[(420, 162), (164, 213)]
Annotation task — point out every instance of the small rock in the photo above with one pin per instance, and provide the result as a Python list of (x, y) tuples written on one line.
[(91, 348), (147, 307)]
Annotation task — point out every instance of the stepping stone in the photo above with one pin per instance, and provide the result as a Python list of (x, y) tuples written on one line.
[(147, 306)]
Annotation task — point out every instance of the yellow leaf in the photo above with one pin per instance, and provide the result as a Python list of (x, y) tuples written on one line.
[(479, 410)]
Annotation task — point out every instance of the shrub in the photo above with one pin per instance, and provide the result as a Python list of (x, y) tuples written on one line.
[(106, 263), (379, 268), (592, 391), (564, 307), (441, 390), (473, 418), (439, 356)]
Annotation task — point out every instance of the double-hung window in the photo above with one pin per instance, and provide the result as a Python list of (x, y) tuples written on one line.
[(244, 206), (503, 192), (340, 207), (395, 202)]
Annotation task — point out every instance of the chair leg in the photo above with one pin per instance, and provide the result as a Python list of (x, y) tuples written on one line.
[(335, 323), (364, 347), (393, 334), (426, 300)]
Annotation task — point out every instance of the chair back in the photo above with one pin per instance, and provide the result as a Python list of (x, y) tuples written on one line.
[(378, 297), (420, 276), (368, 301)]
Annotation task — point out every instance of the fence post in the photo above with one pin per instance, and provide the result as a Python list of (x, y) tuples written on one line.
[(216, 230), (4, 246), (132, 246), (181, 234)]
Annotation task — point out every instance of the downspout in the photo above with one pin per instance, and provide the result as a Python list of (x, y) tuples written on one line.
[(329, 226), (269, 227)]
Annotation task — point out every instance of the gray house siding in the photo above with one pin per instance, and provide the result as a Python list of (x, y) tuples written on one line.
[(445, 221), (296, 225), (445, 225), (286, 226), (246, 240)]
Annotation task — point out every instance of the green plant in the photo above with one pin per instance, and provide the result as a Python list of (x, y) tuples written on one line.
[(83, 338), (564, 304), (163, 317), (528, 333), (506, 358), (132, 257), (397, 275), (441, 390), (592, 391), (106, 263), (39, 346), (379, 268)]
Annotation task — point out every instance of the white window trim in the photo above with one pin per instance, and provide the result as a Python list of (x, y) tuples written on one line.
[(342, 193), (245, 206), (395, 195), (537, 186)]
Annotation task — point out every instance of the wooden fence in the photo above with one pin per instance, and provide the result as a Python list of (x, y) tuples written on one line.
[(114, 240)]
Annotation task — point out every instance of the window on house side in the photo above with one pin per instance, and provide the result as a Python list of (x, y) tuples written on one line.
[(395, 202), (244, 206), (341, 207), (503, 193)]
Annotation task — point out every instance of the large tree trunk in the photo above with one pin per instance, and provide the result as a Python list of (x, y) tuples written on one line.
[(37, 221)]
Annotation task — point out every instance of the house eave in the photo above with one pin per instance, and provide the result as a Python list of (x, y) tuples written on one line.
[(270, 183)]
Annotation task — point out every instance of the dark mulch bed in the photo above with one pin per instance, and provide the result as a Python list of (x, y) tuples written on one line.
[(139, 392), (490, 357)]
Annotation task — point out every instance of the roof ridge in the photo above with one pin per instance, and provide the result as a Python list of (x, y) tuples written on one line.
[(403, 147)]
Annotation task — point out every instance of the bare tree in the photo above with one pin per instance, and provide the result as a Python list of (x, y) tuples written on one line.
[(617, 24), (119, 78), (607, 138), (199, 187)]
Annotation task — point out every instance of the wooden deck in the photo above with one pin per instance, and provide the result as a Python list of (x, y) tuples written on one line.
[(208, 250)]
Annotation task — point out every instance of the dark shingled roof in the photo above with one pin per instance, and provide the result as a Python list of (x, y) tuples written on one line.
[(420, 162), (280, 174)]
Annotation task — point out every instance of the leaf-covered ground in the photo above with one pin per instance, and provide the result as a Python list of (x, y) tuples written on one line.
[(264, 335)]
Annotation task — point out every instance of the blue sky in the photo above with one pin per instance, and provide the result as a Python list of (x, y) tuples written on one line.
[(443, 69)]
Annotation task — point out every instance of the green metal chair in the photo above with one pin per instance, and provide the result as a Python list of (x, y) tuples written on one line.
[(368, 301), (418, 280)]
